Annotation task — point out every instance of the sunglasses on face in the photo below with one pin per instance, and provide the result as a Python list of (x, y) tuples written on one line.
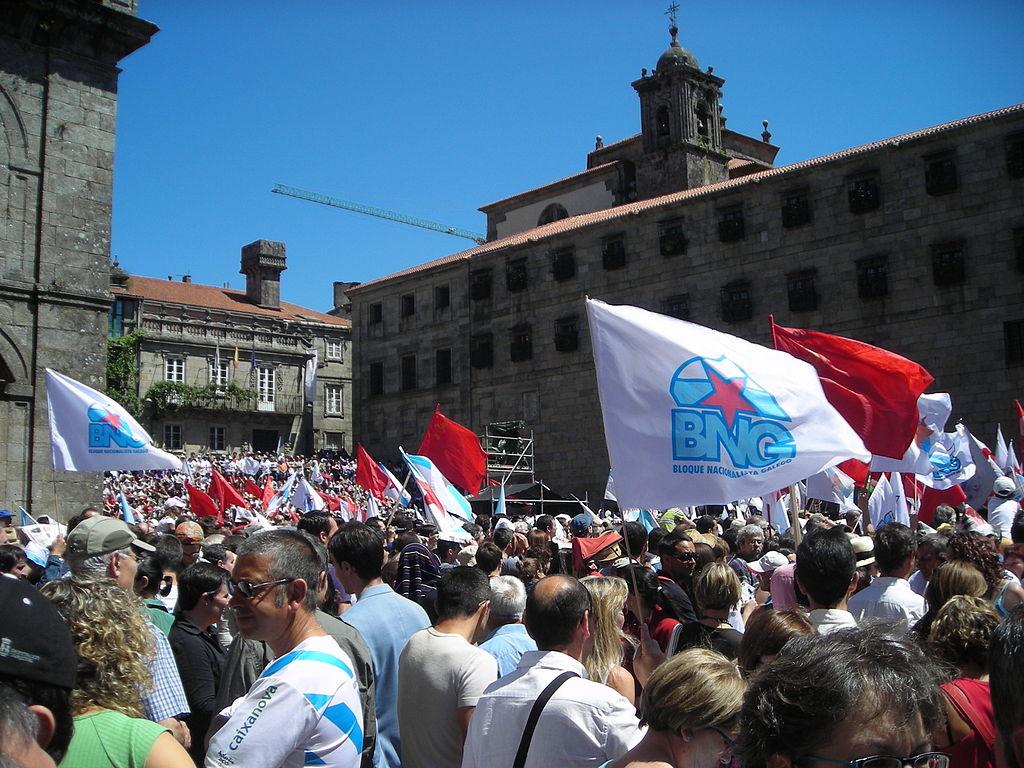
[(684, 556), (923, 760), (248, 590)]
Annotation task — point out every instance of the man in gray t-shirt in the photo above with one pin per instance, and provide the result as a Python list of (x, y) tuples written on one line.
[(441, 674)]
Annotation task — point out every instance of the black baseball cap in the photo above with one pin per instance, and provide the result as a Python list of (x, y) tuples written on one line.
[(35, 643)]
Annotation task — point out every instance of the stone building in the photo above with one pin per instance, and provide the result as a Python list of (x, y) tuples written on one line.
[(58, 104), (224, 370), (914, 243)]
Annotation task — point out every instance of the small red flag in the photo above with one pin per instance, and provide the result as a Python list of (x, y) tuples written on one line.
[(252, 489), (369, 475), (268, 493), (201, 504), (875, 390), (456, 451), (224, 493)]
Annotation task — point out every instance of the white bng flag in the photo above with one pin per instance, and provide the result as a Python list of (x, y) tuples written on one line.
[(695, 416), (90, 432)]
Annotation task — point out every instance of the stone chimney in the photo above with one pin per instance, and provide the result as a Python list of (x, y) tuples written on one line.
[(342, 303), (262, 264)]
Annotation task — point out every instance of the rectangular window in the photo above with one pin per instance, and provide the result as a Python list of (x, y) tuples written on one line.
[(1013, 341), (442, 367), (266, 388), (671, 238), (333, 405), (408, 373), (872, 278), (796, 209), (174, 369), (515, 275), (376, 313), (803, 290), (442, 297), (940, 176), (948, 267), (408, 305), (567, 334), (481, 350), (730, 225), (736, 302), (613, 252), (563, 264), (172, 437), (376, 379), (863, 195), (677, 306), (480, 284), (1015, 155), (334, 441), (115, 326), (333, 350), (521, 348), (216, 438), (219, 373)]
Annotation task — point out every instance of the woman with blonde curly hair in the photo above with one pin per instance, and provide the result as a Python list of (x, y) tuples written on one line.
[(960, 637), (604, 662), (113, 645), (956, 577), (691, 707)]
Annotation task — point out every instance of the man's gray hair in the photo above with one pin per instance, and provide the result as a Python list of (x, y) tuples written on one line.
[(96, 565), (508, 599), (290, 555), (747, 531)]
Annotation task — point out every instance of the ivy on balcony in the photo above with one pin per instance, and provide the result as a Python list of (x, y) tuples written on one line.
[(171, 396)]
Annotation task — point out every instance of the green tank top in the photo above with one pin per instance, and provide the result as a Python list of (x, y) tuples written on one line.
[(110, 739)]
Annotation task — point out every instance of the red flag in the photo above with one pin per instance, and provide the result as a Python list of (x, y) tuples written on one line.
[(268, 493), (201, 504), (932, 498), (224, 493), (252, 489), (856, 470), (456, 451), (875, 390), (369, 475)]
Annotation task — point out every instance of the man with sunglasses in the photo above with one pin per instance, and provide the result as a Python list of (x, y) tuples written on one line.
[(304, 708)]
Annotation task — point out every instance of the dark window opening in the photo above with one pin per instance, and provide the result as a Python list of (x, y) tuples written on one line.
[(677, 306), (948, 267), (408, 373), (408, 305), (940, 174), (376, 379), (515, 275), (661, 121), (864, 195), (481, 350), (803, 290), (552, 212), (796, 210), (376, 313), (613, 252), (730, 225), (567, 334), (671, 238), (115, 326), (736, 302), (521, 347), (442, 367), (872, 278), (1013, 341), (442, 297), (480, 284), (1015, 156), (563, 264), (701, 113)]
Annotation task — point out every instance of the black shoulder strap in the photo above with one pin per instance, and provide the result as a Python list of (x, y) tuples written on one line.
[(531, 721)]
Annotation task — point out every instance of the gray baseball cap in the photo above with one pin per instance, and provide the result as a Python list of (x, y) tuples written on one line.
[(100, 534)]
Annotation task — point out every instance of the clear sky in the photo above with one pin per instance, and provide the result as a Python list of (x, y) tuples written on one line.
[(435, 108)]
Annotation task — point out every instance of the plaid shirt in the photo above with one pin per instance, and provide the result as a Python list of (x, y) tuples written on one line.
[(166, 698)]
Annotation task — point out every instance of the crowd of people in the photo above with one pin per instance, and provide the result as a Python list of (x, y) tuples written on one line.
[(544, 641)]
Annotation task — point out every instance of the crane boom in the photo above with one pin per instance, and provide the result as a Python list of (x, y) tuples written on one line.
[(370, 210)]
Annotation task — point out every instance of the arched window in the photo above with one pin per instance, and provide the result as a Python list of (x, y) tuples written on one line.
[(552, 212), (702, 118), (661, 121)]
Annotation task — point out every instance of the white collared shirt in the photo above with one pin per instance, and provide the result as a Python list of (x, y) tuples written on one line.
[(888, 598), (584, 724), (827, 620)]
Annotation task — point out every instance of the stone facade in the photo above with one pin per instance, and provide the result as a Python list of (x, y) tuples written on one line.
[(915, 244), (188, 328), (58, 103)]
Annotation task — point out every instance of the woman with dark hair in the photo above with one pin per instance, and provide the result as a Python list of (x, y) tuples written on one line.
[(648, 606), (202, 598), (766, 634), (418, 572), (150, 585), (981, 552)]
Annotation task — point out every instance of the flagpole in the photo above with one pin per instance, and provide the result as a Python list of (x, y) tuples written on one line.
[(794, 515)]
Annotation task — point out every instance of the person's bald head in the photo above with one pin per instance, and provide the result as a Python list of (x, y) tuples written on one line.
[(555, 612)]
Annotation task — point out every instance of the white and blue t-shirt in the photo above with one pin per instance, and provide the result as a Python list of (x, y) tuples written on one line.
[(303, 710)]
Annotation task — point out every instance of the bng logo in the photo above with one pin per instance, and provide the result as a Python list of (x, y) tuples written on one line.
[(720, 408), (108, 430)]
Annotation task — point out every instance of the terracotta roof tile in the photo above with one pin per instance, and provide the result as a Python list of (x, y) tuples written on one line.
[(212, 297), (641, 206)]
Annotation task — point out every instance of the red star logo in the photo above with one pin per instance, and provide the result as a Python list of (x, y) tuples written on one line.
[(727, 395), (113, 420)]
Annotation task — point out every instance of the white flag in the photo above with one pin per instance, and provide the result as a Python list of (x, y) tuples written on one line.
[(694, 416), (935, 409), (979, 487), (306, 498), (1002, 453), (832, 485), (887, 504), (90, 432), (950, 459), (309, 379), (609, 488)]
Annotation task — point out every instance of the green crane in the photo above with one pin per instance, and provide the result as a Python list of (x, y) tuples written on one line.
[(370, 210)]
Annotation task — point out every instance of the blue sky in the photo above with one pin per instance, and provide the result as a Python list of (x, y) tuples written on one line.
[(434, 109)]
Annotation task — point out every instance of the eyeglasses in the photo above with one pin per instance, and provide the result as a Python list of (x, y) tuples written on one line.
[(727, 740), (684, 556), (248, 590), (924, 760)]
